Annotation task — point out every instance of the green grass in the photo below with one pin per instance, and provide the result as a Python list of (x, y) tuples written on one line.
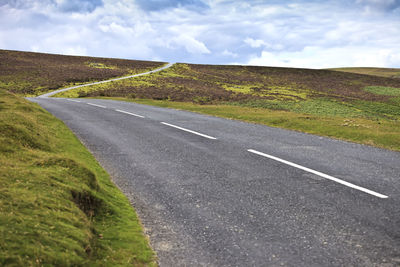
[(383, 90), (318, 107), (97, 65), (57, 205), (279, 92)]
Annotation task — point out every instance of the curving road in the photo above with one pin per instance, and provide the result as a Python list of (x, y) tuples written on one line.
[(168, 65), (218, 192)]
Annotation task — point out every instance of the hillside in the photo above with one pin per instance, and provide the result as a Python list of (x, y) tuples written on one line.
[(382, 72), (32, 74), (246, 84)]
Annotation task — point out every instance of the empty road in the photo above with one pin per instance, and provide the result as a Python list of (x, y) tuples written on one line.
[(218, 192)]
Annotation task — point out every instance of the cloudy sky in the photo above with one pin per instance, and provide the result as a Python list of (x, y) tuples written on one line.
[(295, 33)]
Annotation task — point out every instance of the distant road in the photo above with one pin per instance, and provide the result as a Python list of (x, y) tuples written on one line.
[(106, 81), (218, 192)]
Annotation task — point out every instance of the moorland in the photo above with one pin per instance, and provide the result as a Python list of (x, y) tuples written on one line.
[(383, 72), (32, 74)]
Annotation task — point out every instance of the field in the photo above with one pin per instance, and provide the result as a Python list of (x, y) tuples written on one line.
[(31, 74), (58, 207), (355, 107)]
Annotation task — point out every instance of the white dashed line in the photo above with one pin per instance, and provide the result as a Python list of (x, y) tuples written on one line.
[(73, 100), (190, 131), (129, 113), (365, 190), (100, 106)]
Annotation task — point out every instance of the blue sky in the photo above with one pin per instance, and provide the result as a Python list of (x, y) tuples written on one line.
[(302, 33)]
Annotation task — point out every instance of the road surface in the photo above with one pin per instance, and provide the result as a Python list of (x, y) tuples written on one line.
[(218, 192)]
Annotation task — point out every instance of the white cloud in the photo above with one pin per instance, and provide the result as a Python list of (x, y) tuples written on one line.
[(229, 54), (78, 51), (319, 57), (254, 43), (191, 45)]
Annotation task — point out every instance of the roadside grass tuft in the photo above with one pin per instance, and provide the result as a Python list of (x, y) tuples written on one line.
[(57, 205)]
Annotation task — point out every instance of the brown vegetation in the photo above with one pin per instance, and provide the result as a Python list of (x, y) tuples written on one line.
[(34, 73), (383, 72), (216, 84)]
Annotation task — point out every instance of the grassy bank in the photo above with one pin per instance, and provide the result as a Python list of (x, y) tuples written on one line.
[(57, 205)]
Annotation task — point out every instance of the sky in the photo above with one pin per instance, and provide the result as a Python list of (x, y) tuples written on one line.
[(287, 33)]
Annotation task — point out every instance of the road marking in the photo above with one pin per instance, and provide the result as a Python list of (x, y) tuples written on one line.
[(100, 106), (190, 131), (72, 100), (126, 112), (365, 190)]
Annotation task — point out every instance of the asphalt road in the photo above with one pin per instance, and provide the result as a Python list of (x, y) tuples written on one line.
[(205, 199)]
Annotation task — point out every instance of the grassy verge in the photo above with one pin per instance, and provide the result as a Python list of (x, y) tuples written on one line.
[(371, 131), (57, 205)]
